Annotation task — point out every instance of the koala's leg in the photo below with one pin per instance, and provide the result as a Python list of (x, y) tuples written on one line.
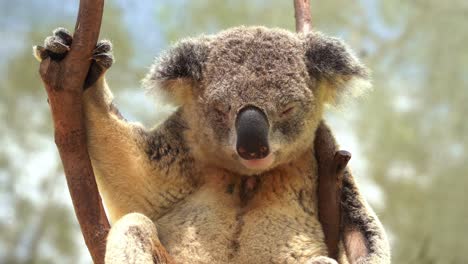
[(134, 239), (364, 238)]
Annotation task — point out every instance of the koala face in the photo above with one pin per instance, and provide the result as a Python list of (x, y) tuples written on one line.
[(254, 96)]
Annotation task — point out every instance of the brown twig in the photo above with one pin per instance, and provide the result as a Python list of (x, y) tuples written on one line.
[(302, 15), (64, 85), (331, 169)]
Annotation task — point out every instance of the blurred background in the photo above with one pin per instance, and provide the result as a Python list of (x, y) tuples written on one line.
[(409, 137)]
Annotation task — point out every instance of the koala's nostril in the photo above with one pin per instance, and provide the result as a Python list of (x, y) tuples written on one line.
[(241, 150), (264, 151), (258, 153)]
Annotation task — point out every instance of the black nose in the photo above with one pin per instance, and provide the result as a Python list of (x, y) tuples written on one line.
[(252, 133)]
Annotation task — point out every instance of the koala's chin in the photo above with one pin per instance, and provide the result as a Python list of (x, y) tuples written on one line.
[(235, 164), (259, 164)]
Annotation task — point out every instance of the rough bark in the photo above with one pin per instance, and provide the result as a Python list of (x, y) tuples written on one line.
[(331, 169), (331, 163), (64, 85), (302, 15)]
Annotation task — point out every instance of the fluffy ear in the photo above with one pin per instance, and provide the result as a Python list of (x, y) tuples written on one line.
[(332, 63), (177, 72)]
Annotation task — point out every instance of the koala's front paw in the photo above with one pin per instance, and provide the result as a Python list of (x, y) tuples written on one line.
[(321, 260), (57, 46)]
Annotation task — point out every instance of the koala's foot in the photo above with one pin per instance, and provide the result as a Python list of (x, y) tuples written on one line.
[(57, 46), (134, 239), (321, 260)]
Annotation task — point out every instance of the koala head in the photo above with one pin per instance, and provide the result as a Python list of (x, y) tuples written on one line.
[(253, 96)]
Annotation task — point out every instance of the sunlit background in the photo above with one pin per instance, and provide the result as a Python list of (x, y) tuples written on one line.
[(409, 137)]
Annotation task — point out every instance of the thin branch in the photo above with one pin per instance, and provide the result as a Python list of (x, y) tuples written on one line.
[(302, 15), (64, 85), (331, 168)]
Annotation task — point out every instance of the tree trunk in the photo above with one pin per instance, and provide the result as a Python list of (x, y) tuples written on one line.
[(64, 85)]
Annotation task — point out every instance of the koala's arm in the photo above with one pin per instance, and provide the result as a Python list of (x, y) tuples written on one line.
[(131, 163), (128, 179), (364, 238), (137, 170)]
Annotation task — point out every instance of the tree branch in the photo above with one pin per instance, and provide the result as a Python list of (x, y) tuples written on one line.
[(64, 85), (331, 169), (302, 15)]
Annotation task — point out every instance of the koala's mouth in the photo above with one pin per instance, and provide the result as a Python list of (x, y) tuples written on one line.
[(258, 164)]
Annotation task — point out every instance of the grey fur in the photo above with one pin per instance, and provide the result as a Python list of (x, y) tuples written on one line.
[(185, 176), (185, 60), (258, 51), (327, 57), (273, 69)]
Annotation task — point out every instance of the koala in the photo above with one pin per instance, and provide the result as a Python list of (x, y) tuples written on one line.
[(231, 175)]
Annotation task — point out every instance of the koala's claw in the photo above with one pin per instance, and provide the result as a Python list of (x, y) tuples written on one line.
[(64, 36), (102, 54), (40, 53), (103, 46), (57, 46)]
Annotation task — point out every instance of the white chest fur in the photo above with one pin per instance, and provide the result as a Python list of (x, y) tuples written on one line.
[(271, 218)]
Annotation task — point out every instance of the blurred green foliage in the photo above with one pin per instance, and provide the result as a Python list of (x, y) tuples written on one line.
[(412, 129)]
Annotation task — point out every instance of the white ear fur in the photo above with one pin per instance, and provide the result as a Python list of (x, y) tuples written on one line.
[(339, 72), (175, 74), (173, 92), (352, 88)]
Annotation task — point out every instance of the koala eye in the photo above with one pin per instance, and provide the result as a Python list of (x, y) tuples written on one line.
[(219, 111), (288, 110), (222, 110)]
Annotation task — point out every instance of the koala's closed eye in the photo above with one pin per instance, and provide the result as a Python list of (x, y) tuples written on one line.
[(288, 109), (220, 110)]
